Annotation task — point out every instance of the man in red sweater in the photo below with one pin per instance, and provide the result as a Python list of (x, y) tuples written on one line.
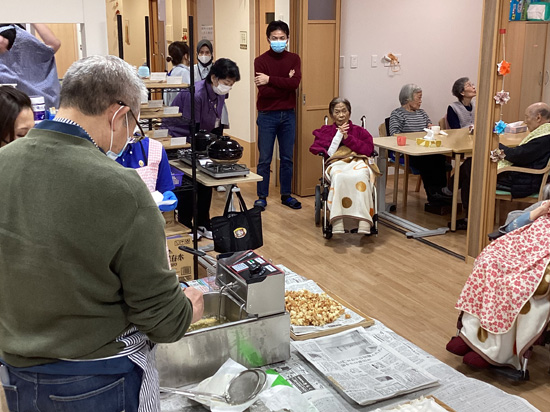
[(277, 78)]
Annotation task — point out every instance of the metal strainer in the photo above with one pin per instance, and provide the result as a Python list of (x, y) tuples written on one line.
[(242, 388)]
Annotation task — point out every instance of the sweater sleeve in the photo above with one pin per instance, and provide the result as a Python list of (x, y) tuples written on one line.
[(323, 139), (452, 118), (156, 304), (360, 141), (273, 88), (527, 154), (290, 83), (396, 123)]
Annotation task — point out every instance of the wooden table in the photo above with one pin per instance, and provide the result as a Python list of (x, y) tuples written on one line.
[(459, 143), (412, 149), (210, 181)]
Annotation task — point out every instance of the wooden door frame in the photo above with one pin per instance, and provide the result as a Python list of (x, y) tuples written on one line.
[(298, 14), (482, 189)]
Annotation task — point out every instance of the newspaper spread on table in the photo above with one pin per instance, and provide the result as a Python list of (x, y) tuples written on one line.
[(459, 392), (295, 282), (363, 369), (456, 390)]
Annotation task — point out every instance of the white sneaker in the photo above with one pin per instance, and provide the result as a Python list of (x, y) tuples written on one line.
[(204, 232)]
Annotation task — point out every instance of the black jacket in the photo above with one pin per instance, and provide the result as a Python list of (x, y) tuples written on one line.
[(533, 155)]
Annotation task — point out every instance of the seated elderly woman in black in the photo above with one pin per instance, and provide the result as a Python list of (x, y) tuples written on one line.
[(462, 113), (411, 118)]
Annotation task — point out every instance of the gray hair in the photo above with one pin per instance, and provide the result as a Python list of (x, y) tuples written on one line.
[(337, 100), (94, 83), (407, 92), (546, 192)]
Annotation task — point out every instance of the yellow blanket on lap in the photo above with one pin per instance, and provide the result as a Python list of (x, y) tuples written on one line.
[(352, 179)]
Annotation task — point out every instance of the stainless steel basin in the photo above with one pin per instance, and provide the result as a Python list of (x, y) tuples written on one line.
[(251, 341)]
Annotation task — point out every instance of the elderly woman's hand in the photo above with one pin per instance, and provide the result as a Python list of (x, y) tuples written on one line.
[(344, 129)]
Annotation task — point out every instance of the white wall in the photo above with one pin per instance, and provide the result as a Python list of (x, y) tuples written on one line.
[(438, 42), (232, 17), (89, 12)]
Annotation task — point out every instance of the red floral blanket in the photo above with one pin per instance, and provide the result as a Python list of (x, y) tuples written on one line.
[(506, 275)]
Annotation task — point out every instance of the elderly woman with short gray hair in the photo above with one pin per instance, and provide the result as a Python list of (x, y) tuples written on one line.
[(411, 118), (461, 113)]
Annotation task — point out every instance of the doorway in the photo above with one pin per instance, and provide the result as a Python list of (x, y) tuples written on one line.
[(316, 24)]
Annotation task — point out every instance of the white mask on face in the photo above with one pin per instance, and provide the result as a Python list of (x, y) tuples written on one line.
[(205, 60), (110, 154), (221, 89)]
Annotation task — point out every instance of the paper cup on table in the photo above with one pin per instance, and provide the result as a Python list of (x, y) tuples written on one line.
[(401, 140)]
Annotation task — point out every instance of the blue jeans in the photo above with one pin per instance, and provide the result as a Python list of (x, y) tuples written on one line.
[(29, 392), (280, 124)]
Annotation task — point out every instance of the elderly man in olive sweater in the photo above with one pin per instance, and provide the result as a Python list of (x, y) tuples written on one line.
[(86, 285)]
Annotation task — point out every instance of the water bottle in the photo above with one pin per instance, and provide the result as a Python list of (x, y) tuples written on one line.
[(143, 71), (39, 108)]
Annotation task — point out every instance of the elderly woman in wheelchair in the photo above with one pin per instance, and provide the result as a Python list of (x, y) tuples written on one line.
[(346, 149), (505, 305)]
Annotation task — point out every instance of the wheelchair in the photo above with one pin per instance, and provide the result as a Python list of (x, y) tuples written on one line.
[(322, 213)]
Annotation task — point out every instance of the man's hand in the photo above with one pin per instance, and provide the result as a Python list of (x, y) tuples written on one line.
[(261, 79), (291, 73), (197, 300)]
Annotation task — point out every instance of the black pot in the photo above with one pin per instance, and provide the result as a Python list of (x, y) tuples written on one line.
[(225, 150), (202, 140)]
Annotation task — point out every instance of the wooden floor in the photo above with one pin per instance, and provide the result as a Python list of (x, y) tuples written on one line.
[(409, 286)]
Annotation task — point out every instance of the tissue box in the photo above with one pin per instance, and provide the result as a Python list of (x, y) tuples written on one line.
[(428, 143), (538, 12), (515, 129)]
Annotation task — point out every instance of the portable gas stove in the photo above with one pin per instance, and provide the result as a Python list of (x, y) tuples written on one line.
[(216, 170)]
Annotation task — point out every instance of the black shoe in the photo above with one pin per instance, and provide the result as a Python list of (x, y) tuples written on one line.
[(440, 198), (461, 224)]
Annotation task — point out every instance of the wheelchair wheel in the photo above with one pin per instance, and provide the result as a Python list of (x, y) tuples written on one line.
[(327, 231), (318, 205)]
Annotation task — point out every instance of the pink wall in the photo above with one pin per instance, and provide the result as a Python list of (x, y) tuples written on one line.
[(438, 41)]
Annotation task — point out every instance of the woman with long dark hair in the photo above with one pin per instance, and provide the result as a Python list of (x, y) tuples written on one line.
[(16, 115)]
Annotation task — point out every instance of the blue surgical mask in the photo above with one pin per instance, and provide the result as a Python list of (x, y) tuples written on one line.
[(278, 46), (110, 154)]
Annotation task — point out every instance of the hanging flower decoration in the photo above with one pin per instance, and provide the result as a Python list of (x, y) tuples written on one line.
[(497, 155), (499, 127), (502, 97), (503, 68)]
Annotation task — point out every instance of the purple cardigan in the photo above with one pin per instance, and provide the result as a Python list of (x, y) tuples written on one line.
[(359, 140)]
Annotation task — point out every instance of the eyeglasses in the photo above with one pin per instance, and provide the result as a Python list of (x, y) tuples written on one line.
[(136, 136), (469, 85)]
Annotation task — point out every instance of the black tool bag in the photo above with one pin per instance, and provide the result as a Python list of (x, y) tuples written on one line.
[(236, 231)]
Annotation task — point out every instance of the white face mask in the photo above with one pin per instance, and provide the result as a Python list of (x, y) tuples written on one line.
[(221, 89), (205, 59), (110, 154)]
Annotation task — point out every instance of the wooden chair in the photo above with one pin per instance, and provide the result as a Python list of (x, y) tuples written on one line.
[(534, 198), (383, 131), (443, 123)]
